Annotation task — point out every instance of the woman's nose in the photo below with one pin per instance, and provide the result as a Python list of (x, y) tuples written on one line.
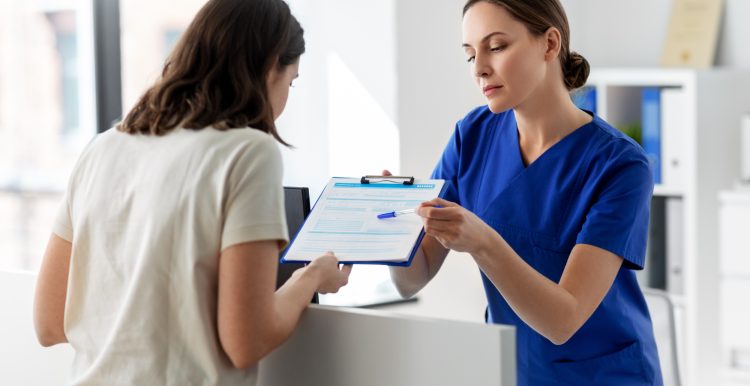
[(481, 67)]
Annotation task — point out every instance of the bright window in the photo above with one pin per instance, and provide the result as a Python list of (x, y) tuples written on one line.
[(149, 31), (47, 115)]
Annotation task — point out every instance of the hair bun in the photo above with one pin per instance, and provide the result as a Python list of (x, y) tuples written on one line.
[(576, 71)]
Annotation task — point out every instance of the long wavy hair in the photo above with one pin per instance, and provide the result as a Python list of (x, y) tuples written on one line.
[(216, 74)]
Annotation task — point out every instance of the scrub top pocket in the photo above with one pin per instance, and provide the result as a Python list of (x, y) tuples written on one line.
[(624, 367)]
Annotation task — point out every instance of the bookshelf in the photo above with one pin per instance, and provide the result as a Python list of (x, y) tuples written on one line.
[(734, 226), (700, 157)]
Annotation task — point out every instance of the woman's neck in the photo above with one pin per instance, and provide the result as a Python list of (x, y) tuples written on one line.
[(546, 117)]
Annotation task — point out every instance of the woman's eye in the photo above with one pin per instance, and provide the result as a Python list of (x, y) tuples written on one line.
[(496, 49), (471, 59)]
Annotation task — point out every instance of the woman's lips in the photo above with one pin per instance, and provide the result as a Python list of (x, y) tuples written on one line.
[(489, 90)]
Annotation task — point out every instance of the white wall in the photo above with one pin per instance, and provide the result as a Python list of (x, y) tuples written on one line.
[(456, 293), (435, 87), (406, 54), (362, 35), (616, 33), (23, 362), (735, 35)]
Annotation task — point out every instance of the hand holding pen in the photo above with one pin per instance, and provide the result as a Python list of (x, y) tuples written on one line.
[(400, 213), (456, 227)]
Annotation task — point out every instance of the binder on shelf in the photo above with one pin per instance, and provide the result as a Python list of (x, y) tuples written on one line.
[(654, 273), (674, 243), (674, 122), (664, 267), (651, 128)]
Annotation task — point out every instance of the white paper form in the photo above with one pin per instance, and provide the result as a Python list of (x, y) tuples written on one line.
[(344, 220)]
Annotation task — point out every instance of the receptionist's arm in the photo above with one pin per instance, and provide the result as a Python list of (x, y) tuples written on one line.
[(425, 265), (556, 311)]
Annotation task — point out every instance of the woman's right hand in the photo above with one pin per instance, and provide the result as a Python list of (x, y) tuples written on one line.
[(330, 277)]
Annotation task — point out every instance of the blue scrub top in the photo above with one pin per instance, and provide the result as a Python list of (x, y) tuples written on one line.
[(592, 187)]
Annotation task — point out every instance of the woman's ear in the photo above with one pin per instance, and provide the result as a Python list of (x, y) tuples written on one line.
[(552, 40)]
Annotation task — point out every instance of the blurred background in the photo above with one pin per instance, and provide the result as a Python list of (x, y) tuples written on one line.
[(381, 86)]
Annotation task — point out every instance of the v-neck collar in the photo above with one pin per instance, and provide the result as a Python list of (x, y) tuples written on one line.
[(517, 144), (535, 198)]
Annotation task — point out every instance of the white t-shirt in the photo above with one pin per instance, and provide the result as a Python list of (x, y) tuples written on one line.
[(148, 217)]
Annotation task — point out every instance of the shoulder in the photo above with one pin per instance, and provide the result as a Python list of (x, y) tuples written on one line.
[(616, 153), (101, 145), (614, 143), (107, 138), (250, 148), (233, 143), (248, 138), (256, 141)]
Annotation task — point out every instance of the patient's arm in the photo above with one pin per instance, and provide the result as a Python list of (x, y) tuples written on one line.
[(252, 318), (51, 289)]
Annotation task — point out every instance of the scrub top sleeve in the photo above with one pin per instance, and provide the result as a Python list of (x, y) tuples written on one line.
[(618, 218), (447, 167)]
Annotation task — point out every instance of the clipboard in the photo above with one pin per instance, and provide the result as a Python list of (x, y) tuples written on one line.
[(372, 179)]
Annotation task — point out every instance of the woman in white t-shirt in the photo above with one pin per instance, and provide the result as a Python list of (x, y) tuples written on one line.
[(161, 268)]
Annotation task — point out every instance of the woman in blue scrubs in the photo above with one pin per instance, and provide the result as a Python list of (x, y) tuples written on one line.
[(550, 201)]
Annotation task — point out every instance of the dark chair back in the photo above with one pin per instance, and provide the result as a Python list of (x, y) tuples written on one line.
[(297, 206)]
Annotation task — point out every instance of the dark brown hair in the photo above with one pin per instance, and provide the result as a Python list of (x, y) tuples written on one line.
[(216, 75), (539, 16)]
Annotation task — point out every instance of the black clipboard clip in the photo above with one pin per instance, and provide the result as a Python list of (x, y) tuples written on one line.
[(366, 180)]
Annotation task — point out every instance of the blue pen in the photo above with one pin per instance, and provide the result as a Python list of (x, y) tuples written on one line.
[(400, 213)]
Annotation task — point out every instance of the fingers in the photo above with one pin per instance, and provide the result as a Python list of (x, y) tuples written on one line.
[(439, 202), (450, 213), (442, 236), (446, 211), (442, 225), (325, 260), (386, 173), (333, 275)]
